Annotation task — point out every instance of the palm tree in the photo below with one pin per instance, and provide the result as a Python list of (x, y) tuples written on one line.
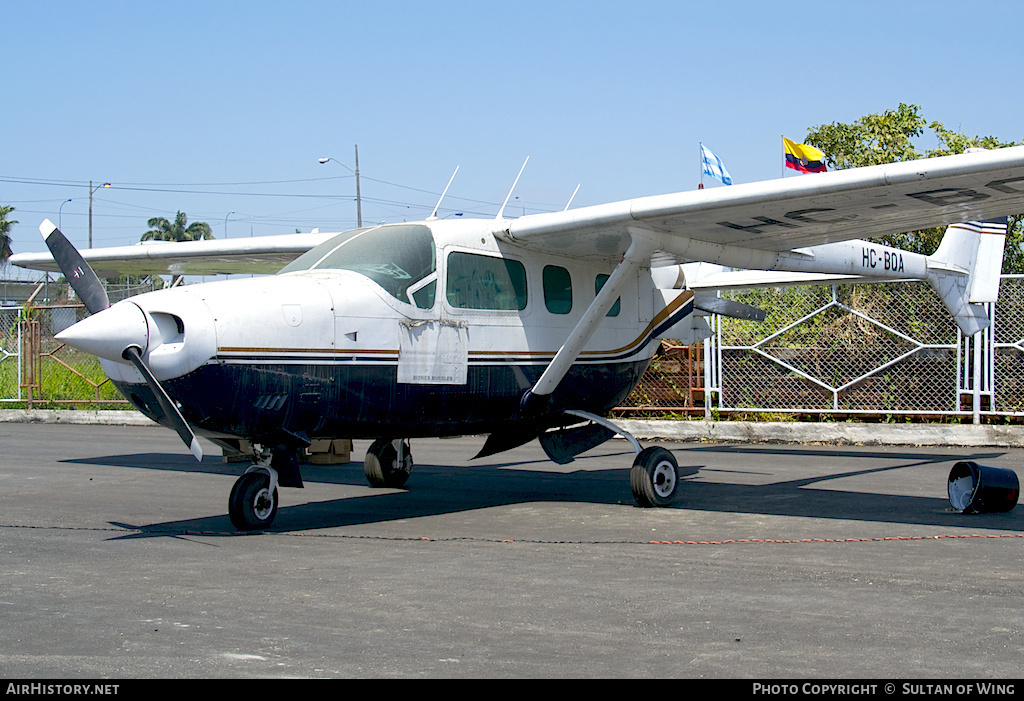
[(5, 232), (163, 230)]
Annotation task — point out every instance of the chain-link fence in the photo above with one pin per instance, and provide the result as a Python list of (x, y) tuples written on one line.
[(1007, 340), (35, 368), (10, 354), (860, 350)]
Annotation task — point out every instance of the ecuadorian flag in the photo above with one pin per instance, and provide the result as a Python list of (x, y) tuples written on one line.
[(804, 158)]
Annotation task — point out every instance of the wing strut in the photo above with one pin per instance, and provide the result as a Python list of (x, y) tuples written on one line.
[(637, 255)]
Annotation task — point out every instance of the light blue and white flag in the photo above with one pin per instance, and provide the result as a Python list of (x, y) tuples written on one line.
[(713, 166)]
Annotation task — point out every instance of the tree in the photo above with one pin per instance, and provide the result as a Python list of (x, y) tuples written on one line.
[(5, 232), (871, 140), (162, 230), (888, 138)]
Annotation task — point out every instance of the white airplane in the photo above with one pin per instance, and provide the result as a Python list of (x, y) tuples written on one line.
[(517, 329)]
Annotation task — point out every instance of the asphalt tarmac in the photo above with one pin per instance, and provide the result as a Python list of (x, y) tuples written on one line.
[(118, 561)]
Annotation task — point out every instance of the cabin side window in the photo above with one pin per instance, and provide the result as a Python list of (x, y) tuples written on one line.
[(598, 284), (557, 289), (485, 282)]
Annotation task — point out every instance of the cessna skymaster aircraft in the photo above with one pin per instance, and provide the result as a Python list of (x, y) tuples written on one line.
[(521, 328)]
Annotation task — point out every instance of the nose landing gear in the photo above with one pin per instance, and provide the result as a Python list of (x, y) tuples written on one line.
[(253, 501)]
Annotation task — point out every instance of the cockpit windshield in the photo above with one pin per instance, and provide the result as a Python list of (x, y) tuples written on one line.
[(400, 258)]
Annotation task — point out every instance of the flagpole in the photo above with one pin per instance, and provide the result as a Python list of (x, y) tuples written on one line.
[(700, 162), (782, 141)]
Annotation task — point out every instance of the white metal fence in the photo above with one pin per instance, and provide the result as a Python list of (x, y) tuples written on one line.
[(867, 350)]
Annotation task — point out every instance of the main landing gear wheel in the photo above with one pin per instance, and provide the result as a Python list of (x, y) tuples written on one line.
[(654, 477), (384, 467), (252, 505)]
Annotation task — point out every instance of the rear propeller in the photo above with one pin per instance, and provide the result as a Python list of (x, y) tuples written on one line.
[(89, 289)]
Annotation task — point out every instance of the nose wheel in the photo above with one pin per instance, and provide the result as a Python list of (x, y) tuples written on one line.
[(253, 503)]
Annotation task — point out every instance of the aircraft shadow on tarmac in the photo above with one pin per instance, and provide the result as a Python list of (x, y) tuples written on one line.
[(439, 489)]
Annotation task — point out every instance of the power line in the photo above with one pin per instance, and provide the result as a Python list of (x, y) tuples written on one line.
[(74, 183), (179, 188)]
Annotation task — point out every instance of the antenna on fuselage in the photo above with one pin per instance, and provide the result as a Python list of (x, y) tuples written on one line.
[(572, 198), (433, 215), (509, 195)]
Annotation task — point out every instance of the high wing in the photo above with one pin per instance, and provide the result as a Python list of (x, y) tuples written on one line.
[(805, 224), (747, 223), (743, 226), (263, 254)]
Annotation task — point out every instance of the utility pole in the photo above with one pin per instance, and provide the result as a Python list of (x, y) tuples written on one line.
[(359, 198)]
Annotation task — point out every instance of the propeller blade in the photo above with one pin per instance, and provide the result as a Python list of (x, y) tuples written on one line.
[(171, 410), (90, 290), (76, 271)]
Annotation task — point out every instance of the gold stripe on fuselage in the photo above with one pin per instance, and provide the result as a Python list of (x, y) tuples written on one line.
[(660, 317)]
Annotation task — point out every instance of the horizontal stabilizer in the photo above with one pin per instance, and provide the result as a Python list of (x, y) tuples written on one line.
[(712, 304)]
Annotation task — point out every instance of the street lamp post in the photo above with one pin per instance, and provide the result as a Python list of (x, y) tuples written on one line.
[(226, 222), (359, 199), (60, 214), (92, 190)]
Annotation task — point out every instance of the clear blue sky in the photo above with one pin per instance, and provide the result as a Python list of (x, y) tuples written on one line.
[(221, 108)]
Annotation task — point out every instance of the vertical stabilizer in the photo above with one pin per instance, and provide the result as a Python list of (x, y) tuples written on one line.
[(964, 271)]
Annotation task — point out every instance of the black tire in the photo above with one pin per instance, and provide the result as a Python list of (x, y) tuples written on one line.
[(654, 477), (251, 506), (381, 465)]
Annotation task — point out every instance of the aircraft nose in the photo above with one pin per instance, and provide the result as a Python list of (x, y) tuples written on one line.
[(173, 329), (108, 333)]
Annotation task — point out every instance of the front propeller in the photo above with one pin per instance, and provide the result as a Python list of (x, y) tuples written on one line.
[(121, 332), (77, 272)]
